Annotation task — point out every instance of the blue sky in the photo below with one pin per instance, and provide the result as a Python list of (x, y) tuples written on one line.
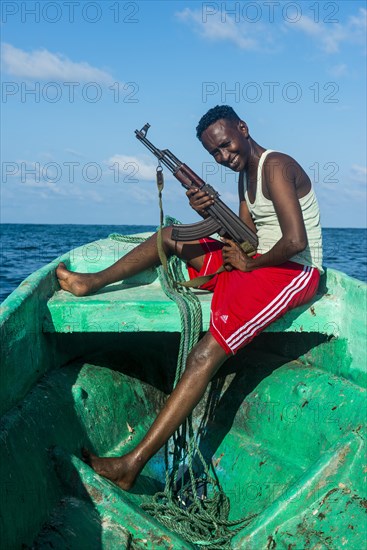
[(79, 77)]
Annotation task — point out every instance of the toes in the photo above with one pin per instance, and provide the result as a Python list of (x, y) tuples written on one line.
[(63, 285), (61, 270)]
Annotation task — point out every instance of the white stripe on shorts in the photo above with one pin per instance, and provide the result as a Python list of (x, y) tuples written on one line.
[(272, 310)]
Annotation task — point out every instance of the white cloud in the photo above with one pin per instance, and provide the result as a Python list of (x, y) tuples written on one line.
[(261, 37), (142, 195), (330, 36), (131, 167), (337, 71), (141, 168), (359, 173), (74, 153), (44, 65), (47, 180), (243, 35), (358, 24)]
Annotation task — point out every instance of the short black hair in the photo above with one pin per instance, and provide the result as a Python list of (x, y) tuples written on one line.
[(214, 114)]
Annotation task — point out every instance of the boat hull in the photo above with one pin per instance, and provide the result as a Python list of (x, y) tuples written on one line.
[(286, 433)]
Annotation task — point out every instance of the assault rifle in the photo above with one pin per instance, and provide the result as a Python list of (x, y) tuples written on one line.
[(221, 219)]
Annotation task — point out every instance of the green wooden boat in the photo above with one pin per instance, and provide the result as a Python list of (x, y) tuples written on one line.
[(287, 432)]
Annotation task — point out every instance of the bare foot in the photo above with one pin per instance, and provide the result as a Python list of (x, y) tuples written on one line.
[(79, 284), (122, 471)]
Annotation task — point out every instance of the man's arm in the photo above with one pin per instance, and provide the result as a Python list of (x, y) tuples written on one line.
[(280, 185)]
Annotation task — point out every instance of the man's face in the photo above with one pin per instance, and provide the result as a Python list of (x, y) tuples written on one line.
[(227, 142)]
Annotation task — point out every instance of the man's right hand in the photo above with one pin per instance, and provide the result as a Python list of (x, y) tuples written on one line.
[(199, 200)]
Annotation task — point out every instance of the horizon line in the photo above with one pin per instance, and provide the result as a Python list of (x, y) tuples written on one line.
[(139, 225)]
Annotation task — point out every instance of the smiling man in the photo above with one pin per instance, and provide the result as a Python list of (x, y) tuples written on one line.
[(277, 201)]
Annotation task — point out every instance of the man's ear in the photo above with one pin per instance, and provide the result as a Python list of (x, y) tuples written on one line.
[(242, 126)]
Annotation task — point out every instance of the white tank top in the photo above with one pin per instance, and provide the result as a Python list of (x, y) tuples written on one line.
[(268, 228)]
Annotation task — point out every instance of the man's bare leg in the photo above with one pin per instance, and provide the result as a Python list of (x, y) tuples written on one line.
[(203, 362), (140, 258)]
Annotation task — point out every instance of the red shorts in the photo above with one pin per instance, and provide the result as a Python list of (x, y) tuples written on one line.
[(244, 304)]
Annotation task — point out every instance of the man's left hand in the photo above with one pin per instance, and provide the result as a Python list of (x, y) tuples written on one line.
[(234, 257)]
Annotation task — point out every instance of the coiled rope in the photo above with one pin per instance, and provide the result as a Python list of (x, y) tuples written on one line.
[(198, 508), (195, 508)]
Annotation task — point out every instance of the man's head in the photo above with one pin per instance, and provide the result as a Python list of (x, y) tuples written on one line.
[(225, 136), (219, 112)]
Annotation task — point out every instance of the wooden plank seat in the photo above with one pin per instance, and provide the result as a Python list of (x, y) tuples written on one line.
[(139, 304)]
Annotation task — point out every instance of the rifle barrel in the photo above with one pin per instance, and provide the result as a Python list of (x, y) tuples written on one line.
[(164, 156)]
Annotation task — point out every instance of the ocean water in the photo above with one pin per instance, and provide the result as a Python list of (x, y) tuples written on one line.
[(27, 247)]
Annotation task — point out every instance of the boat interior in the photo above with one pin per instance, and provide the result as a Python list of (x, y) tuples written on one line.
[(282, 422)]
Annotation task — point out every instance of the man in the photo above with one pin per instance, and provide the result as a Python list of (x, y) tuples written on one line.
[(277, 201)]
